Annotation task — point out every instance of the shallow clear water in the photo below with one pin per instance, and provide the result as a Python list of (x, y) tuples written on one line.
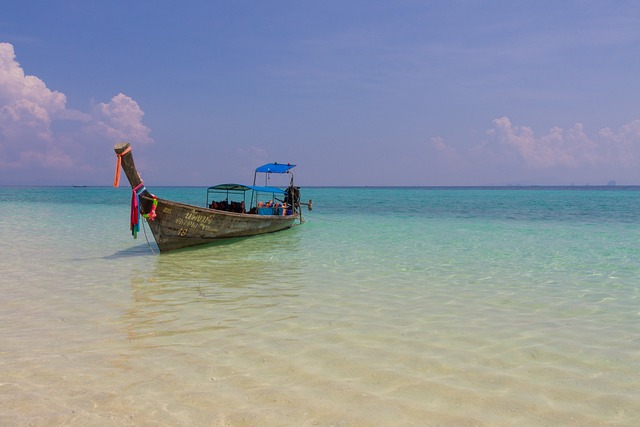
[(412, 306)]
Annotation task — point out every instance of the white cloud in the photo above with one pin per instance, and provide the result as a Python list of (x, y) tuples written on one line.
[(25, 118), (121, 119), (568, 148), (29, 111), (441, 147), (15, 86), (624, 144), (516, 154)]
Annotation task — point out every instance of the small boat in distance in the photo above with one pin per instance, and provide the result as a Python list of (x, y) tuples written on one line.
[(231, 210)]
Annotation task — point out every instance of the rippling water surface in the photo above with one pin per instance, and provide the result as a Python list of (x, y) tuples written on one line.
[(412, 306)]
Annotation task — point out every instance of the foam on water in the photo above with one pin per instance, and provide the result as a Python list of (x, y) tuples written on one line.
[(436, 307)]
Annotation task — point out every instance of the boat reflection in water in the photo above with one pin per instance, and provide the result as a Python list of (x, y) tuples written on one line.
[(220, 287)]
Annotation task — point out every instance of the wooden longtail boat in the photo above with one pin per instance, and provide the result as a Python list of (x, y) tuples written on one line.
[(177, 225)]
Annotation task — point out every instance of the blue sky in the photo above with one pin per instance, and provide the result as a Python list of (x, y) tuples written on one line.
[(354, 92)]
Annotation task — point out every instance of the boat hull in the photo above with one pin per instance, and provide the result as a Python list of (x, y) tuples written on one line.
[(178, 225)]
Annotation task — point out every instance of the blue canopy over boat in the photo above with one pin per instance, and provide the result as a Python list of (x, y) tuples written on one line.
[(241, 187), (275, 168)]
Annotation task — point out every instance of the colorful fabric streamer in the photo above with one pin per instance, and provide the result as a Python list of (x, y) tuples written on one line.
[(135, 209)]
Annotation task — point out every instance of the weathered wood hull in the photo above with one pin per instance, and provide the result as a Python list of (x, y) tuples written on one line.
[(179, 225)]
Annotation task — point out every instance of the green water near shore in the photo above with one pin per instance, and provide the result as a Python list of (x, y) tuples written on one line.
[(388, 307)]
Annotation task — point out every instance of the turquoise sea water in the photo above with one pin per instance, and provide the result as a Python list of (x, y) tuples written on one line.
[(410, 306)]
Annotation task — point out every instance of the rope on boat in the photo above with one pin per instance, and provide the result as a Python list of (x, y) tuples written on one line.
[(147, 238)]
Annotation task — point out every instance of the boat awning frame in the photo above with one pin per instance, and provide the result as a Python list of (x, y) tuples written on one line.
[(244, 188), (275, 168)]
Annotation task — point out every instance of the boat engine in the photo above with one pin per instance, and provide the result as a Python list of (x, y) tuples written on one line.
[(292, 196)]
